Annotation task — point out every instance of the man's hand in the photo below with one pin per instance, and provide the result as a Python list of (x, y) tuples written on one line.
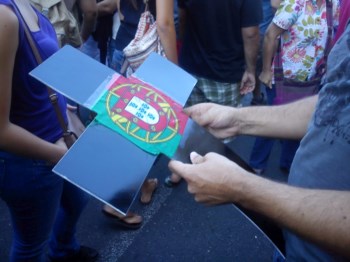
[(212, 179), (219, 120), (247, 83), (215, 180)]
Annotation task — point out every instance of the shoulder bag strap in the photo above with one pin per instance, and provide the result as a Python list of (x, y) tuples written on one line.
[(329, 13), (52, 95), (278, 67)]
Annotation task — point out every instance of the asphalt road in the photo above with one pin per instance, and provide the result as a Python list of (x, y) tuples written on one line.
[(175, 227)]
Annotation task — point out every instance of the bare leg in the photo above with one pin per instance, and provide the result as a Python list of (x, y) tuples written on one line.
[(148, 189)]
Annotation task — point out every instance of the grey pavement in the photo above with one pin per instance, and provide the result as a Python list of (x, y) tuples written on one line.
[(175, 227)]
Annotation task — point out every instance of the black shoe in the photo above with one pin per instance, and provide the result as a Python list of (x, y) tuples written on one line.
[(258, 101), (84, 254)]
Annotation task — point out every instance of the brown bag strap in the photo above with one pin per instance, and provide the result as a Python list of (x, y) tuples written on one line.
[(52, 95)]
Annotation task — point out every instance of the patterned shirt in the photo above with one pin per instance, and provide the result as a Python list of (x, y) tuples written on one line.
[(305, 38)]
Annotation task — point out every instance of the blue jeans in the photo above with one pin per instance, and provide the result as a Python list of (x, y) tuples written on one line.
[(115, 57), (263, 146), (90, 48), (43, 208)]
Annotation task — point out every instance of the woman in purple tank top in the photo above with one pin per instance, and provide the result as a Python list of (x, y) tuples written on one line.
[(40, 203)]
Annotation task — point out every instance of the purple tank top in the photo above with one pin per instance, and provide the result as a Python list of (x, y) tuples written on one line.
[(30, 104)]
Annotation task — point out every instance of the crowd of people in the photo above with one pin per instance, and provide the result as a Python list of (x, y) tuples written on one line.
[(237, 49)]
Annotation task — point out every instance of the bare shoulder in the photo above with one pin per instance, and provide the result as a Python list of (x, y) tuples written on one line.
[(8, 20), (9, 26)]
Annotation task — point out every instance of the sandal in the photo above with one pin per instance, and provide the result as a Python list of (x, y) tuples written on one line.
[(148, 189), (130, 221)]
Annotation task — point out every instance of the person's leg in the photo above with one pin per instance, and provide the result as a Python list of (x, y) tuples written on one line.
[(207, 90), (63, 239), (31, 192), (147, 190), (117, 60), (90, 48), (260, 154), (262, 146), (110, 51), (257, 95), (289, 148), (268, 14), (227, 94), (197, 95)]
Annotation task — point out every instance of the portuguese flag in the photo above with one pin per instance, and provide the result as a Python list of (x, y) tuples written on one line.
[(143, 115)]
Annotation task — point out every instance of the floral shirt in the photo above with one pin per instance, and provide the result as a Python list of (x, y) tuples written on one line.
[(305, 38)]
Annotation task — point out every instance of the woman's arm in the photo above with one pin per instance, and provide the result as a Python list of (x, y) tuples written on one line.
[(166, 28), (107, 7), (12, 137), (269, 49), (275, 3), (89, 11)]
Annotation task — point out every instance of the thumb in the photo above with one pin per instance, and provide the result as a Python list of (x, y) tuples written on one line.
[(177, 168), (196, 158)]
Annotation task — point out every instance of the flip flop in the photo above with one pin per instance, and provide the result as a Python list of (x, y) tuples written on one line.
[(121, 221), (147, 190)]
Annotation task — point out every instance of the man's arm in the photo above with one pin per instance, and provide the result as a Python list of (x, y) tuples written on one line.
[(320, 216), (288, 121), (250, 37), (89, 11)]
